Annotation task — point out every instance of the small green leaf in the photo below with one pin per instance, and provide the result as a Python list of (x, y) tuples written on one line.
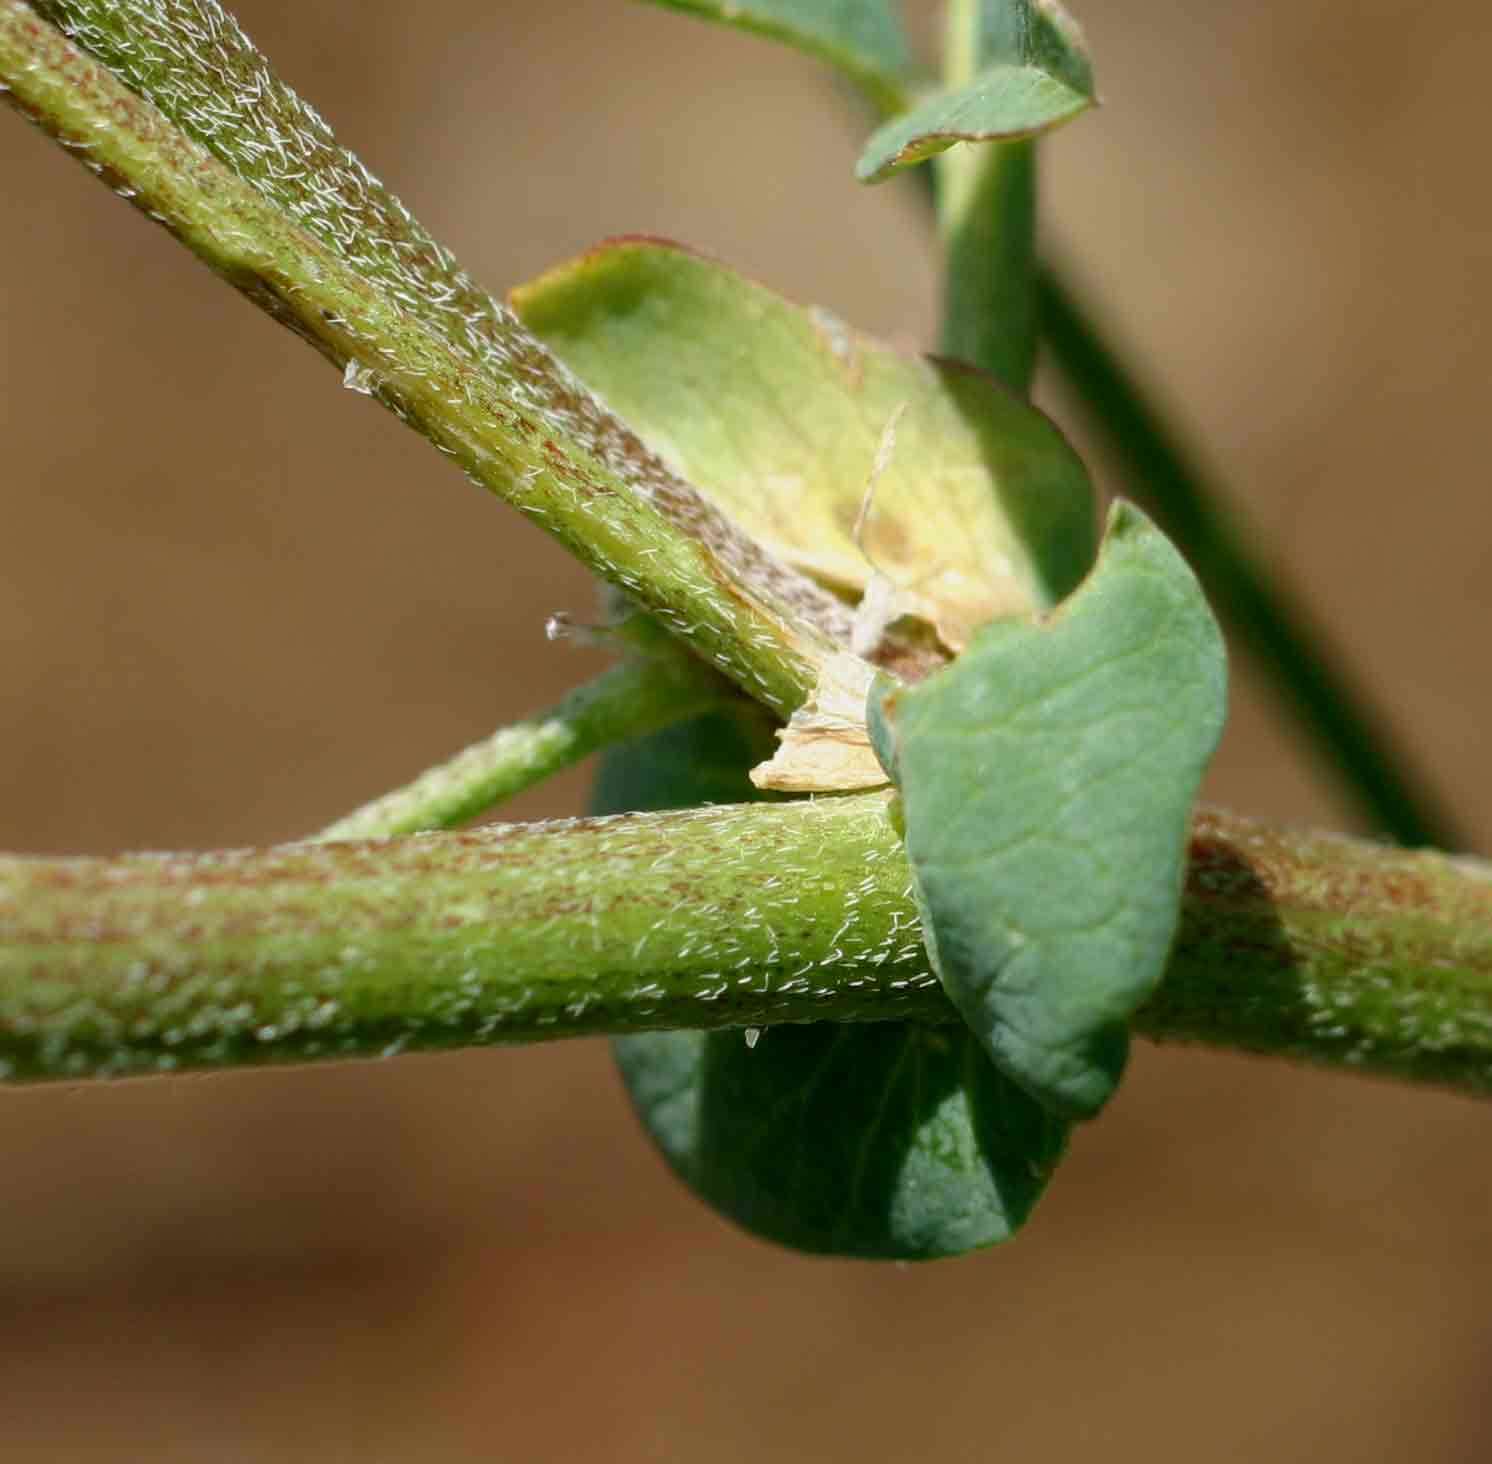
[(887, 1140), (881, 1141), (1047, 779), (1033, 74), (862, 38)]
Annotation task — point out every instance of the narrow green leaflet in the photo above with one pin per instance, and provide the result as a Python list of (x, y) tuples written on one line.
[(1013, 69), (892, 1141), (1047, 779), (1032, 74), (863, 38), (656, 684)]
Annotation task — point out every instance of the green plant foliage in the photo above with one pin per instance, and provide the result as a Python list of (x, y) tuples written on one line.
[(1018, 63), (991, 289), (887, 1141), (895, 1140), (1032, 74), (775, 412), (1047, 778), (863, 38), (891, 1140)]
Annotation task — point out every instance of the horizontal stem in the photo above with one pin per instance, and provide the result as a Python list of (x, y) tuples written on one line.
[(1305, 945), (710, 917)]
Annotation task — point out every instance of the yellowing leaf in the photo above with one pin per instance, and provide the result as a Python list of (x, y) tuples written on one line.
[(774, 412)]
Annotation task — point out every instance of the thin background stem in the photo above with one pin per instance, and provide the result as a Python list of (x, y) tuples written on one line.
[(998, 304), (1321, 697), (641, 695), (986, 203)]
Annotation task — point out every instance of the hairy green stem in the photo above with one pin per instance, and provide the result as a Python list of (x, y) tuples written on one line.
[(1157, 470), (300, 227), (1304, 945), (711, 917), (639, 696)]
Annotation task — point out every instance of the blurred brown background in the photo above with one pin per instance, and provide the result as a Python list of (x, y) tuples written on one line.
[(236, 599)]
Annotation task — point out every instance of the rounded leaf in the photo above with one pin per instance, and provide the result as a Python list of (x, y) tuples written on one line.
[(883, 1141), (1047, 778), (888, 1140)]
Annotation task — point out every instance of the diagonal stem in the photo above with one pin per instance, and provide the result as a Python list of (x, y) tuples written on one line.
[(996, 302), (1305, 672), (301, 228)]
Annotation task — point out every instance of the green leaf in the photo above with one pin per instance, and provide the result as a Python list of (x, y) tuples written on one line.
[(893, 1140), (775, 413), (1047, 778), (862, 38), (1033, 74), (890, 1141), (885, 1141)]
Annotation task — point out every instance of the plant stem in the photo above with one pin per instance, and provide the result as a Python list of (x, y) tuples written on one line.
[(986, 204), (300, 227), (1271, 623), (996, 301), (982, 194), (1303, 945), (987, 217), (711, 917), (641, 695)]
